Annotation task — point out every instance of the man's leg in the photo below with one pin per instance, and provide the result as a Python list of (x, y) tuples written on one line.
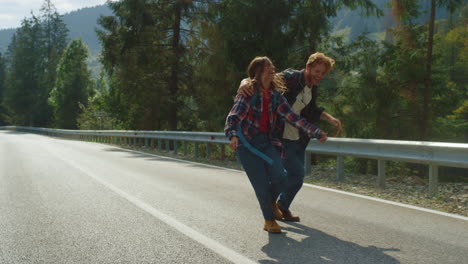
[(294, 165)]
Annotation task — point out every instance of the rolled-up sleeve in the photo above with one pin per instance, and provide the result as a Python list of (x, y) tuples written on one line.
[(238, 112)]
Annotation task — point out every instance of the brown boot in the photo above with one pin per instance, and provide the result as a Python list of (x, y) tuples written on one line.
[(276, 211), (287, 215), (272, 227)]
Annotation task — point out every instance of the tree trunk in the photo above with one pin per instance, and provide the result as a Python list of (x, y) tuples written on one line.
[(174, 79), (425, 120)]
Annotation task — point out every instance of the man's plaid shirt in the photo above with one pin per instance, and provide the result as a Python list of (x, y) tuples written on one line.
[(251, 124)]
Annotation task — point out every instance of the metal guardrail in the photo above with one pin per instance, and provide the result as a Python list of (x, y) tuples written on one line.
[(433, 154)]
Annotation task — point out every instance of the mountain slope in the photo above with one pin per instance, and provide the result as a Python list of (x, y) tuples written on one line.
[(81, 23)]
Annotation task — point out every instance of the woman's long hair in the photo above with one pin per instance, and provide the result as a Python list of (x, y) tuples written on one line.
[(255, 71)]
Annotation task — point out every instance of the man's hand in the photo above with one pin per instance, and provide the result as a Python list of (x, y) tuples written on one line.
[(245, 88), (336, 123), (332, 121), (234, 143)]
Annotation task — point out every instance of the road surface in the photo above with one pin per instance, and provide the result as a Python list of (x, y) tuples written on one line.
[(67, 201)]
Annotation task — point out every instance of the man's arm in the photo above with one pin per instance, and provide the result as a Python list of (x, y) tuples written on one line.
[(331, 120), (245, 88)]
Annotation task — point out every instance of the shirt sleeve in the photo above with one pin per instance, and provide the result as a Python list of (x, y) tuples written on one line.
[(287, 114), (238, 113)]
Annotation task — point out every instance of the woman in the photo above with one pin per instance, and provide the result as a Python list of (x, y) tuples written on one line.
[(250, 126)]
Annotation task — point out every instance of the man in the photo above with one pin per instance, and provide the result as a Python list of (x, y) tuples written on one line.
[(302, 96)]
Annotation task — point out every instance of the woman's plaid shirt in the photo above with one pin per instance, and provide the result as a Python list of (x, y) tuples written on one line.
[(251, 123)]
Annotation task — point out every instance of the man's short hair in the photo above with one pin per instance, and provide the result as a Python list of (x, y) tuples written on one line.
[(318, 58)]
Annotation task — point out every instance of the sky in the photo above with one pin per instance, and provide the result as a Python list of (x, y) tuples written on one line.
[(12, 12)]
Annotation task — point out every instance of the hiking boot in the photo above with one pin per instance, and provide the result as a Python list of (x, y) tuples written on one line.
[(272, 227), (287, 215), (276, 211)]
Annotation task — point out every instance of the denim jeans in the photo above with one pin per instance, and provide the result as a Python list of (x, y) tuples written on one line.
[(267, 181), (293, 162)]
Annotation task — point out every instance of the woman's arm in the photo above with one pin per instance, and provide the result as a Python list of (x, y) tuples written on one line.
[(286, 112), (238, 112)]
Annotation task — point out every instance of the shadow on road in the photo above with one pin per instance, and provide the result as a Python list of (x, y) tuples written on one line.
[(15, 132), (158, 157), (319, 247)]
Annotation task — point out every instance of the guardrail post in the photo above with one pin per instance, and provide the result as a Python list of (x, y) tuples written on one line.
[(381, 173), (208, 150), (195, 153), (307, 161), (146, 142), (159, 144), (167, 145), (176, 146), (223, 151), (152, 143), (340, 168), (185, 148), (433, 179)]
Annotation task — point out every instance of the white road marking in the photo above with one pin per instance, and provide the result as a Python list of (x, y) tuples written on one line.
[(330, 190), (211, 244), (389, 202)]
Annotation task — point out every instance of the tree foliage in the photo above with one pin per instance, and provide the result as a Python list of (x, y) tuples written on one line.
[(144, 53), (3, 70), (176, 65), (33, 55)]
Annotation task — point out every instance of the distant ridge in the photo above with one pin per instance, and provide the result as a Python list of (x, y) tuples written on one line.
[(81, 23), (350, 23)]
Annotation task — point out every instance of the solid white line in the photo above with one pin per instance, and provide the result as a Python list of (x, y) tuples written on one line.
[(211, 244), (388, 202), (330, 190)]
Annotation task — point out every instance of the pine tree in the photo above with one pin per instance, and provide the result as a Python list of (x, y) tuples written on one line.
[(55, 38), (26, 68), (144, 55), (3, 70), (73, 85), (33, 54)]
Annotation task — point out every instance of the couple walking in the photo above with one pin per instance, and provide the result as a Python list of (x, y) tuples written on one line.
[(269, 127)]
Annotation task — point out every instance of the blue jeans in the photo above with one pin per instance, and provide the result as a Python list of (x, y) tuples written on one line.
[(293, 162), (268, 181)]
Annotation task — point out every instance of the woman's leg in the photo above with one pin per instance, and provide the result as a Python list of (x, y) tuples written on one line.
[(255, 168)]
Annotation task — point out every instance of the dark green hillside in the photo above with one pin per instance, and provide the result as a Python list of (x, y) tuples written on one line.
[(82, 24), (352, 23), (5, 38)]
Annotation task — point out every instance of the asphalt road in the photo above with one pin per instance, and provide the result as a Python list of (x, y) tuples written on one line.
[(66, 201)]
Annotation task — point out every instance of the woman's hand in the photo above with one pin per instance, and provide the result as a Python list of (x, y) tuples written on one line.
[(234, 143), (323, 137)]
